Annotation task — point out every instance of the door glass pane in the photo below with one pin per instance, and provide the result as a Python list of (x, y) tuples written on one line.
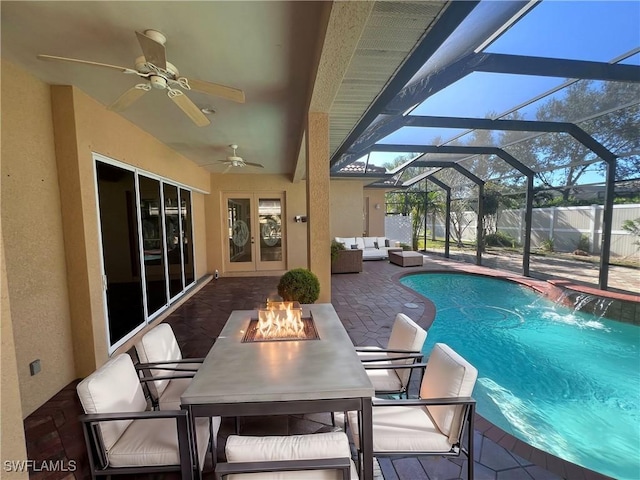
[(153, 246), (119, 227), (172, 236), (239, 217), (187, 235), (270, 218)]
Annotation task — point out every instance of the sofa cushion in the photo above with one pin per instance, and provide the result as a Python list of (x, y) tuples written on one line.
[(113, 388), (370, 242), (360, 243), (346, 241)]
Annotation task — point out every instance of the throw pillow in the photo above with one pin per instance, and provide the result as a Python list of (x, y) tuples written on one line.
[(386, 243), (354, 246), (375, 244)]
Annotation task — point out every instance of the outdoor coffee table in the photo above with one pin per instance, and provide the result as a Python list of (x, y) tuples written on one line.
[(406, 258), (284, 377)]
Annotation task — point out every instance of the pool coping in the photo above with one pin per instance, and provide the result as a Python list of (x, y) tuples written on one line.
[(552, 289)]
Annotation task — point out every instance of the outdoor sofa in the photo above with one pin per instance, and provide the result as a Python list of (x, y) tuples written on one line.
[(373, 248)]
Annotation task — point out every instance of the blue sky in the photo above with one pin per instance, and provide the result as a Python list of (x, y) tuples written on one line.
[(581, 30)]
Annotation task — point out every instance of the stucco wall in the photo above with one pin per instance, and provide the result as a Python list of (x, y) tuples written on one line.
[(50, 233), (33, 239), (12, 443), (376, 215), (295, 204), (82, 127), (346, 208)]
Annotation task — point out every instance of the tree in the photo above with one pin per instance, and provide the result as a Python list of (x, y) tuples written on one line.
[(561, 161)]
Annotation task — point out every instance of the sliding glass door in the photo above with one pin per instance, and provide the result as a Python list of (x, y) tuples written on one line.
[(147, 246)]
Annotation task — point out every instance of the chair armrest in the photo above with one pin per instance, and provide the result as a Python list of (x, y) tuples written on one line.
[(384, 350), (227, 468), (146, 415), (378, 402), (415, 356), (188, 374), (394, 366)]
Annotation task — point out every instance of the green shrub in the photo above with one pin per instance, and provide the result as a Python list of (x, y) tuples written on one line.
[(335, 249), (584, 244), (500, 239), (299, 285), (547, 245)]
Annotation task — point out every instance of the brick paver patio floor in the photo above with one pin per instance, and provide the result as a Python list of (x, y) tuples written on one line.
[(367, 303)]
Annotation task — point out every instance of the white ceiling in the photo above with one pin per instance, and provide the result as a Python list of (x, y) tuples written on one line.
[(269, 49)]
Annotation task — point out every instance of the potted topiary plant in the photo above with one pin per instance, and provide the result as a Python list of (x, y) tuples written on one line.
[(299, 285)]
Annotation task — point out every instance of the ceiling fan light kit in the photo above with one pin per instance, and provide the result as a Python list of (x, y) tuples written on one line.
[(161, 75)]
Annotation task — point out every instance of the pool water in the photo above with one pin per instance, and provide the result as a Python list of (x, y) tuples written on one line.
[(565, 382)]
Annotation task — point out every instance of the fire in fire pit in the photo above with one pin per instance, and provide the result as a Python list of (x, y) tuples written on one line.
[(280, 321)]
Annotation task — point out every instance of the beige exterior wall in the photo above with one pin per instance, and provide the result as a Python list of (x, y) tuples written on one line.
[(295, 204), (50, 228), (83, 127), (346, 208), (33, 239), (12, 444), (373, 197)]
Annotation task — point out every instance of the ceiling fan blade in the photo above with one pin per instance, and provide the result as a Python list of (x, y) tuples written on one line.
[(130, 96), (52, 58), (223, 91), (188, 107), (154, 52), (254, 164), (227, 169)]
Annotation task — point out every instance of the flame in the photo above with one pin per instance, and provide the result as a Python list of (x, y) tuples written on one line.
[(280, 320)]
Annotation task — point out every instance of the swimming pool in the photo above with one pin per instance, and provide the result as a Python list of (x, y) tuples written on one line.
[(567, 383)]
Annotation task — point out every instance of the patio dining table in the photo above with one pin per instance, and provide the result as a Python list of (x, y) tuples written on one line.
[(284, 377)]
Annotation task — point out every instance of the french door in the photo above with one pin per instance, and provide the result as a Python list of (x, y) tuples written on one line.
[(254, 232)]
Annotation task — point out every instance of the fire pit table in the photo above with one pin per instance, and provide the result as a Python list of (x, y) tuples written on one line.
[(284, 376)]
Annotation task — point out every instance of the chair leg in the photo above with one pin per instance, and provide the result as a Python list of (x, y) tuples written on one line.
[(470, 440), (333, 419)]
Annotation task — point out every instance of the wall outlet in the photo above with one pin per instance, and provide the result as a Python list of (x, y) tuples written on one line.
[(35, 367)]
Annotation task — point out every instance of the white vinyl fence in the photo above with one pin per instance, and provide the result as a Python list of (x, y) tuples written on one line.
[(564, 225)]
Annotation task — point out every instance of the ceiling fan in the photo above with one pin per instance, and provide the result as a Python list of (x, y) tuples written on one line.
[(236, 161), (162, 75)]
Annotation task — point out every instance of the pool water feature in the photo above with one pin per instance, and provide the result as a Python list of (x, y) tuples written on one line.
[(565, 382)]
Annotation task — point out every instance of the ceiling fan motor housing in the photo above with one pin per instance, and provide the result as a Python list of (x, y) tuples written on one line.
[(158, 82)]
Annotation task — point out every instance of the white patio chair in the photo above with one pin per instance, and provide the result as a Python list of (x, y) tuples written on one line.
[(434, 423), (318, 456), (404, 347), (123, 437), (160, 357)]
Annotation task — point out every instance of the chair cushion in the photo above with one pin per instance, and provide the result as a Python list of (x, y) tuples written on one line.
[(159, 345), (385, 380), (447, 375), (155, 442), (170, 398), (406, 335), (402, 429), (293, 447), (113, 388)]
